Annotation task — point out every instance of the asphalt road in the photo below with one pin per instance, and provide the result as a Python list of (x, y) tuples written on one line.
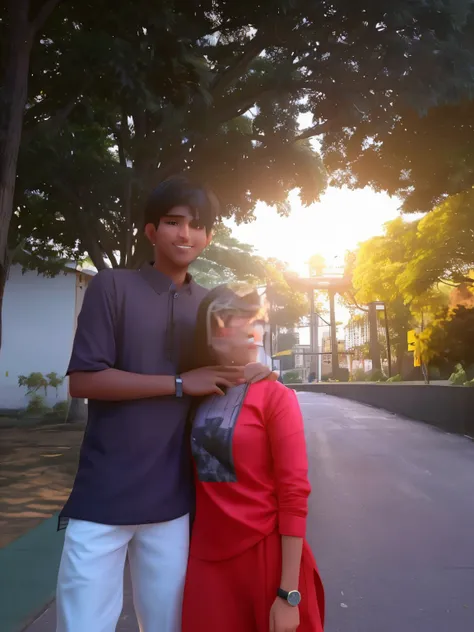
[(391, 522), (391, 519)]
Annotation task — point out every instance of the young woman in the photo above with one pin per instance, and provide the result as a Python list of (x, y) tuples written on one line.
[(250, 567)]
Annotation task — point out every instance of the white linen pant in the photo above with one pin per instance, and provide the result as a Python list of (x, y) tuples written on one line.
[(90, 582)]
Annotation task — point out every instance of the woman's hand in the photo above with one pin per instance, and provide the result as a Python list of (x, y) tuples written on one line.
[(283, 617)]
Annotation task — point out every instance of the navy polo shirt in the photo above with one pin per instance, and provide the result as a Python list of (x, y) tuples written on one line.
[(134, 465)]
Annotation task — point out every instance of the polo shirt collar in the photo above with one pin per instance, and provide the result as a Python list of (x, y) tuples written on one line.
[(162, 283)]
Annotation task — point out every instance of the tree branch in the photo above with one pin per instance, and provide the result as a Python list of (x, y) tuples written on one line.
[(225, 79), (51, 124), (43, 14), (315, 130)]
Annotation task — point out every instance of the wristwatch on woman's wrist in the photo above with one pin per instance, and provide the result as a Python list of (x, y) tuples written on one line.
[(178, 381), (293, 597)]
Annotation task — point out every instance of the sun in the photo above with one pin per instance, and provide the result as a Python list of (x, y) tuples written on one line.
[(337, 223)]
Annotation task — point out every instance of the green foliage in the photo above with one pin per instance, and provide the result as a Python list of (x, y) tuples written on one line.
[(36, 381), (227, 260), (450, 337), (421, 158), (459, 377), (60, 411), (36, 405), (359, 375), (442, 249), (215, 90), (55, 381), (287, 306), (394, 378), (33, 383), (377, 376), (286, 340), (292, 377)]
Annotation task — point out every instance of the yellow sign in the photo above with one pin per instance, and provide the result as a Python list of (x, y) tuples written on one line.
[(417, 354), (414, 344)]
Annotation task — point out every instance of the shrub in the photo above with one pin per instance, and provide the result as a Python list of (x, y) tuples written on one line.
[(359, 375), (292, 377), (36, 405), (377, 376), (61, 409), (395, 378), (459, 377)]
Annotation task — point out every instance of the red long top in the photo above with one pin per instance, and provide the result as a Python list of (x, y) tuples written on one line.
[(272, 487)]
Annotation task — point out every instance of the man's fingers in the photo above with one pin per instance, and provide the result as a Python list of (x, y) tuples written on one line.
[(228, 369), (218, 391)]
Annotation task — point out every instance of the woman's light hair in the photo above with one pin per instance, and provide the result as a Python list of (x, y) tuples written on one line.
[(233, 300)]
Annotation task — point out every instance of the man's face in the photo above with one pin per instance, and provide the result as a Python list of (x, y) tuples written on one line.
[(179, 238)]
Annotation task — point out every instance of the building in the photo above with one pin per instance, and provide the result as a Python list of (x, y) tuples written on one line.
[(356, 332), (39, 322), (303, 360)]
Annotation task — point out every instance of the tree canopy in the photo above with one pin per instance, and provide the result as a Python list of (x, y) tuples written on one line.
[(450, 338), (108, 98), (215, 89)]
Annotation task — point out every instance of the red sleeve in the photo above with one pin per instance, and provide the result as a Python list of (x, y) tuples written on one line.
[(290, 460)]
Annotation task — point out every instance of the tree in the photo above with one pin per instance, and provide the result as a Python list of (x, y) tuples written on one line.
[(422, 158), (20, 25), (451, 338), (287, 306), (228, 260), (215, 89), (442, 249), (286, 340), (377, 276)]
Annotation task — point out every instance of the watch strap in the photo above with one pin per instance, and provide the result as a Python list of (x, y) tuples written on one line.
[(178, 380)]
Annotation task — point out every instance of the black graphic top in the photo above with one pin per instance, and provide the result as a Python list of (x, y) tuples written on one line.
[(212, 433)]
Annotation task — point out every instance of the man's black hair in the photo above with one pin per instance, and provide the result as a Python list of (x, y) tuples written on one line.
[(181, 191)]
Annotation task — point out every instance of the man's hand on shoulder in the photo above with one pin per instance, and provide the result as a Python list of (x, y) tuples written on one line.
[(210, 379)]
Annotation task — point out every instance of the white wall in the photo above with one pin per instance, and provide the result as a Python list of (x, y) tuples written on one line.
[(39, 317)]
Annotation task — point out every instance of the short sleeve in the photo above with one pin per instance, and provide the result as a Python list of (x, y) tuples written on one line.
[(290, 461), (94, 347)]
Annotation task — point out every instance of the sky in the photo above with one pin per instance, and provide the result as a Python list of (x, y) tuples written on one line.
[(337, 223)]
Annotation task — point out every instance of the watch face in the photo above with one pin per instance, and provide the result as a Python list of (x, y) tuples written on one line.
[(294, 598)]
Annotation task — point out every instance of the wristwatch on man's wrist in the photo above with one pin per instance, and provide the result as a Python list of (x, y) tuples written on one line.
[(293, 597), (178, 381)]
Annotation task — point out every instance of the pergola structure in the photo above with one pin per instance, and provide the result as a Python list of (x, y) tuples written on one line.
[(332, 285), (337, 285)]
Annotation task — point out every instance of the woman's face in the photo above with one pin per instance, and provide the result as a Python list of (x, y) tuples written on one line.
[(237, 342)]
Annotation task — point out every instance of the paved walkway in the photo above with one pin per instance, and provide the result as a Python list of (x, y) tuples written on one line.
[(391, 522), (128, 623)]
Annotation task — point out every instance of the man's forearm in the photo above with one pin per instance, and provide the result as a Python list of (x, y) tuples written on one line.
[(113, 385), (291, 551)]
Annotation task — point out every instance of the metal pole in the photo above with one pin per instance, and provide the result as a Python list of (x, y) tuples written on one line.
[(316, 340), (387, 335), (334, 349), (374, 338)]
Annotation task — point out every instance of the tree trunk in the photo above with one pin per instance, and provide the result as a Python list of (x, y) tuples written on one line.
[(77, 411), (11, 123)]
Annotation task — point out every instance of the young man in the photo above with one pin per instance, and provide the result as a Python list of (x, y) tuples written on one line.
[(133, 490)]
